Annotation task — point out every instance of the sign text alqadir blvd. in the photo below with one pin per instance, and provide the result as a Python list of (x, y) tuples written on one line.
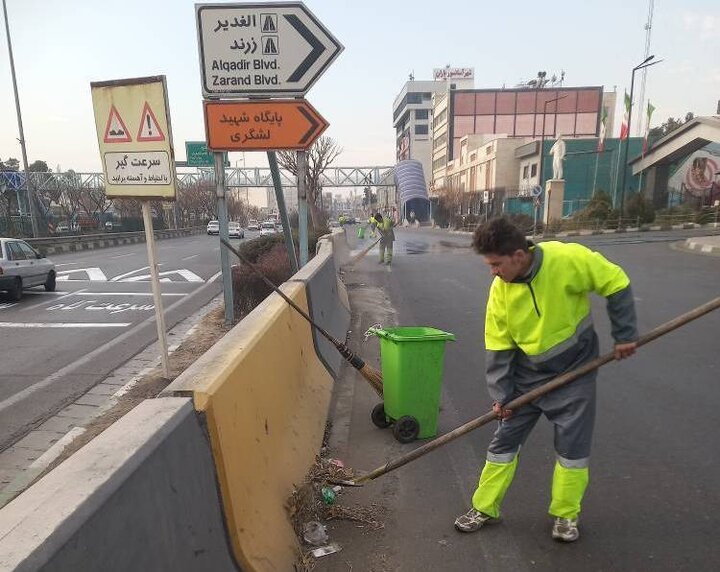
[(261, 49)]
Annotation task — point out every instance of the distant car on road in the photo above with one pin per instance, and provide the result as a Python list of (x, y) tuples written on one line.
[(268, 228), (213, 227), (235, 230), (21, 266), (253, 225)]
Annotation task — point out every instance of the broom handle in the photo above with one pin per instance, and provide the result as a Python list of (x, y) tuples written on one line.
[(277, 290), (537, 392)]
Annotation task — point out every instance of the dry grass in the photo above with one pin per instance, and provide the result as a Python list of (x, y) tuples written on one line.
[(306, 504)]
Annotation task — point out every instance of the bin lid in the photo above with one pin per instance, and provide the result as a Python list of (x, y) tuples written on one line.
[(413, 334)]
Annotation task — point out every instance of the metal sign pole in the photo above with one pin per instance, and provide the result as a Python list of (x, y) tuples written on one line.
[(289, 244), (155, 281), (224, 234), (302, 206)]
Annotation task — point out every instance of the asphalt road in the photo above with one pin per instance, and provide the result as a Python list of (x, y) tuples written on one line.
[(653, 502), (58, 345)]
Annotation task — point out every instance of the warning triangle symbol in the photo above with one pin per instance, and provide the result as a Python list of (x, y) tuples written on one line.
[(269, 24), (115, 130), (149, 126), (270, 47)]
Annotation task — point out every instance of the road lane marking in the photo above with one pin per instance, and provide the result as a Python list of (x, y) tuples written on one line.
[(191, 257), (93, 354), (94, 274), (116, 278), (124, 255), (45, 302), (67, 264), (214, 277), (187, 274), (84, 293), (6, 305), (43, 293), (63, 325)]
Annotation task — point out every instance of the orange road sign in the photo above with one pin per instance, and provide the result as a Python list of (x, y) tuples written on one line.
[(262, 125)]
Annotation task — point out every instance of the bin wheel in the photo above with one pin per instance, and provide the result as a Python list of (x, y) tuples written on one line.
[(406, 429), (378, 416)]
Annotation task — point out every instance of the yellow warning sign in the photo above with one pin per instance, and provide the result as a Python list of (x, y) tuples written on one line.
[(132, 119)]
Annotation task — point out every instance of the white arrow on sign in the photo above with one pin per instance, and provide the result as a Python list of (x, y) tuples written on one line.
[(264, 49), (93, 274)]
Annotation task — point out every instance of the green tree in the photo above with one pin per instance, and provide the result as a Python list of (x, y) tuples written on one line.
[(638, 207), (38, 167), (11, 164)]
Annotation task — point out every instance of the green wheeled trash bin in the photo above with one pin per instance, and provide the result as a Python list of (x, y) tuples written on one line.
[(412, 369)]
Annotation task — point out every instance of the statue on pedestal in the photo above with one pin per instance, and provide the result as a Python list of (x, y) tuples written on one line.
[(558, 153)]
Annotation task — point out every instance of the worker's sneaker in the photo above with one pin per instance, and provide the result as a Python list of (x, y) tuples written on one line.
[(472, 520), (565, 530)]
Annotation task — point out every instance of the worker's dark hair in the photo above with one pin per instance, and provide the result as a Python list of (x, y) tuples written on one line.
[(499, 236), (378, 216)]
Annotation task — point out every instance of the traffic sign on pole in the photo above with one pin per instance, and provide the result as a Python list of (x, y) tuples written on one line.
[(264, 49), (262, 125)]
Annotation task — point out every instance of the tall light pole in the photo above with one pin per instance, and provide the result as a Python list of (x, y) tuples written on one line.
[(28, 186), (647, 62)]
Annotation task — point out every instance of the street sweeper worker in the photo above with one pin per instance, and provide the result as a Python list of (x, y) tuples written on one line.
[(387, 237), (373, 225), (538, 325)]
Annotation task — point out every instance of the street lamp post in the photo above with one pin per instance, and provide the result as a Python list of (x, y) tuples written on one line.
[(28, 185), (542, 149), (646, 63)]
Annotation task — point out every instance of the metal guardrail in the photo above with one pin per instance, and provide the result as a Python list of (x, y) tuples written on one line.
[(72, 243)]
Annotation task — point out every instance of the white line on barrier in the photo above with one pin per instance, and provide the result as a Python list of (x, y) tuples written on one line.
[(63, 325)]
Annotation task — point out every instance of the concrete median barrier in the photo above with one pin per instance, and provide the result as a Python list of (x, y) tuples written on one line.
[(141, 496), (328, 302), (265, 395)]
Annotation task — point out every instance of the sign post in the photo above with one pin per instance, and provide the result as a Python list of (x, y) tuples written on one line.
[(280, 198), (302, 206), (132, 119), (224, 235)]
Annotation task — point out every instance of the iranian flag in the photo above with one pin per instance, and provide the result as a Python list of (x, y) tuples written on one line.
[(650, 109), (626, 118), (603, 130)]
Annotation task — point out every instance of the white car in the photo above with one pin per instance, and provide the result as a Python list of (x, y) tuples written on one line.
[(235, 230), (213, 227), (253, 225), (21, 266), (267, 228)]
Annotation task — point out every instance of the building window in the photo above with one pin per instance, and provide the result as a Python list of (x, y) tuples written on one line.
[(427, 96), (526, 170), (414, 98), (421, 130), (533, 170), (488, 150), (421, 114), (440, 118)]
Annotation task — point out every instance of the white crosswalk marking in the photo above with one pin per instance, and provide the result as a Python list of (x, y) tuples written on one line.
[(93, 274)]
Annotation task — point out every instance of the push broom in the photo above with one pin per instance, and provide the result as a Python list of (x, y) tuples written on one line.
[(373, 376), (513, 405)]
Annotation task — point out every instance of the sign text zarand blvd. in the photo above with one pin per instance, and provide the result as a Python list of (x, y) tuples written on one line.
[(261, 49)]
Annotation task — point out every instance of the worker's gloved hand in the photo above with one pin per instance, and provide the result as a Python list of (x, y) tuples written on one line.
[(623, 351), (500, 412)]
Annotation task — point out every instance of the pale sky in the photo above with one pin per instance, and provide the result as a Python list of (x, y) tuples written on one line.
[(60, 46)]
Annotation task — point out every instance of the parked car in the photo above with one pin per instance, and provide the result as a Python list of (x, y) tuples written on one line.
[(21, 266), (253, 225), (213, 227), (267, 228), (235, 230)]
